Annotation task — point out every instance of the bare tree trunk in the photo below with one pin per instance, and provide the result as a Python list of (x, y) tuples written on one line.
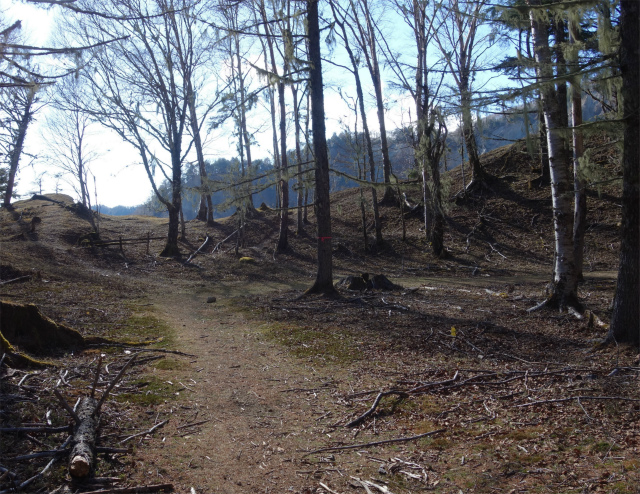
[(305, 215), (545, 177), (296, 118), (243, 119), (183, 226), (365, 130), (205, 197), (283, 236), (477, 174), (565, 275), (171, 248), (324, 276), (18, 143), (580, 194), (625, 320), (368, 45)]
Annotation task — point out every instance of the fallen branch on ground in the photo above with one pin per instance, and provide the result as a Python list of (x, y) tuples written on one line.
[(143, 433), (560, 400), (206, 241), (376, 443), (381, 395), (136, 490)]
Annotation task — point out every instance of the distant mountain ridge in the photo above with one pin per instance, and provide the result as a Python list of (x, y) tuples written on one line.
[(346, 153)]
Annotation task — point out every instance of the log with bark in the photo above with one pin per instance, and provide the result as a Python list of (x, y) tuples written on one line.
[(84, 439), (87, 418)]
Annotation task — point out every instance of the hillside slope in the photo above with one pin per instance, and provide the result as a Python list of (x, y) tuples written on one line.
[(263, 378)]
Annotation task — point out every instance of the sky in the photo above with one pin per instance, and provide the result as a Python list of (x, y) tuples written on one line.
[(119, 177)]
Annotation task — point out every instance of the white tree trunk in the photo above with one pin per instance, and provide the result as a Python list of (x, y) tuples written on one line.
[(565, 275)]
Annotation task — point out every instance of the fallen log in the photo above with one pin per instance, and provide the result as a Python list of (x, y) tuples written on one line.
[(87, 417), (84, 439)]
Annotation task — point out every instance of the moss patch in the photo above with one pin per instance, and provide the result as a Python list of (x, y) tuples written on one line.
[(171, 364), (145, 328), (304, 342), (151, 391)]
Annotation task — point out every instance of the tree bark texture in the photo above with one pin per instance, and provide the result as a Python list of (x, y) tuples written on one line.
[(625, 320), (18, 144), (324, 276), (580, 194), (283, 236), (296, 118), (565, 275), (205, 209), (84, 439)]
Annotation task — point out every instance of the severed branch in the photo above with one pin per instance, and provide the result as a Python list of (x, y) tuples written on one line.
[(206, 241), (193, 424), (39, 454), (112, 384), (14, 280), (39, 474), (143, 433), (160, 350), (376, 443), (105, 450), (136, 490), (376, 402), (223, 241), (423, 387), (560, 400), (95, 380), (66, 406), (496, 250), (46, 430)]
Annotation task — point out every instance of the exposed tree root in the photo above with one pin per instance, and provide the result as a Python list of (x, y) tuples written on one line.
[(554, 302), (316, 289)]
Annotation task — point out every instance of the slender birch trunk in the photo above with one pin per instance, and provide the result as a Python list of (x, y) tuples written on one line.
[(565, 279)]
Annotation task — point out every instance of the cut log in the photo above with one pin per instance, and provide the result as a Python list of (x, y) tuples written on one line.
[(84, 439)]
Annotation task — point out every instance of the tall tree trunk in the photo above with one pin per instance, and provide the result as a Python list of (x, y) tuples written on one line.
[(267, 52), (245, 137), (18, 144), (625, 320), (283, 236), (368, 38), (469, 136), (305, 215), (580, 194), (565, 278), (296, 118), (365, 130), (205, 208), (171, 248), (324, 276), (545, 177)]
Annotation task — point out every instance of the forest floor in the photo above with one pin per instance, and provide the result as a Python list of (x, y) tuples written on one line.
[(264, 391)]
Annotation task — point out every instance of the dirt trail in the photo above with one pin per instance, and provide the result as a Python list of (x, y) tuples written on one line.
[(253, 394), (238, 382)]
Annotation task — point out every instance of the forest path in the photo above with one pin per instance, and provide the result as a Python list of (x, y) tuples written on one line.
[(258, 400), (240, 382)]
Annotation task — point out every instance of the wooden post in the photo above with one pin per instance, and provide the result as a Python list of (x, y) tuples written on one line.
[(121, 248), (148, 241)]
